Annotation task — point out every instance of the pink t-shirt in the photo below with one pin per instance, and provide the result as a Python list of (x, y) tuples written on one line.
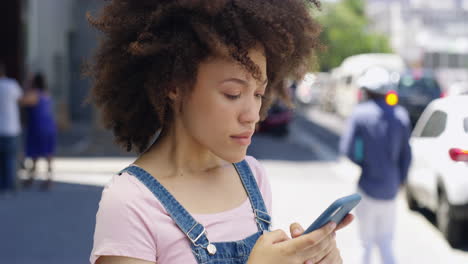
[(131, 222)]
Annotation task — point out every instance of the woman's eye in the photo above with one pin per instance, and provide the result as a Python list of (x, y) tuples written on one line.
[(232, 97), (260, 96)]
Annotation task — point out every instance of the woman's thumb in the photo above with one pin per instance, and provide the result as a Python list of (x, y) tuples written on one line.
[(296, 230)]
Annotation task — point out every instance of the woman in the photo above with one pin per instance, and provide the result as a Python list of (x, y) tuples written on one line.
[(183, 83), (40, 129)]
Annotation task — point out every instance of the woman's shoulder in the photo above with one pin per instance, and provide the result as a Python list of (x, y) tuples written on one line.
[(257, 169), (127, 202), (126, 191), (122, 184), (124, 221)]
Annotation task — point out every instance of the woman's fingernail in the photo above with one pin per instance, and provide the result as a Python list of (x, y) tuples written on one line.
[(296, 231), (309, 262), (332, 225)]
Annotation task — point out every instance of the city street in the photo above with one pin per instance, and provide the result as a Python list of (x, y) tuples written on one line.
[(73, 73), (306, 175)]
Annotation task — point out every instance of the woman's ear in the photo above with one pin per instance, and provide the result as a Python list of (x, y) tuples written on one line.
[(173, 94)]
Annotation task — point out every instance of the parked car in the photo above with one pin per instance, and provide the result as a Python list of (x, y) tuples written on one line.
[(416, 89), (277, 121), (438, 177), (279, 115), (457, 88), (309, 91)]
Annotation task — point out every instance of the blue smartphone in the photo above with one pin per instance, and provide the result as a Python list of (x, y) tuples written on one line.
[(335, 212)]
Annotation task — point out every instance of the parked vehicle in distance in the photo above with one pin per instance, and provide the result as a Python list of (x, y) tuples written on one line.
[(277, 121), (279, 115), (457, 88), (346, 91), (309, 91), (416, 89), (438, 176)]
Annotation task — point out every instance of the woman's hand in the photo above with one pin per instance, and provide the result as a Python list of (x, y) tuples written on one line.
[(316, 247), (334, 255)]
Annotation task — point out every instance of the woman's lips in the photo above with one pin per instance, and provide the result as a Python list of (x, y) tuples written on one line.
[(242, 140)]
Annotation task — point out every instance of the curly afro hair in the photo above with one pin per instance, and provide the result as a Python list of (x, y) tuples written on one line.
[(148, 47)]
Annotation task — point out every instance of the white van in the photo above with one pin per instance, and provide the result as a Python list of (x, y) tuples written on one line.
[(347, 93)]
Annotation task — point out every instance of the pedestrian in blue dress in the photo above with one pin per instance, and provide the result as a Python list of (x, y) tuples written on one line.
[(40, 129)]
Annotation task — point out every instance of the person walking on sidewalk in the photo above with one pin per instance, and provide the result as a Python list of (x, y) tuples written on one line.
[(40, 129), (377, 139), (183, 83), (10, 129)]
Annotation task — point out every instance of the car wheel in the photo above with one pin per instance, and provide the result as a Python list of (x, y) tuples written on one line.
[(410, 200), (451, 228)]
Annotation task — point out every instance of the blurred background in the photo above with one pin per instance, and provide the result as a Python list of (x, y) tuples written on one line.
[(424, 42)]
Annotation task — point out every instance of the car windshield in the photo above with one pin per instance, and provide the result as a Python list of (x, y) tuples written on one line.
[(465, 124), (424, 85)]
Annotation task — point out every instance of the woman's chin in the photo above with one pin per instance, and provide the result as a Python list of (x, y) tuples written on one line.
[(234, 157)]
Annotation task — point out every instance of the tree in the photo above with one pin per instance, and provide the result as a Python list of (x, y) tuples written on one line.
[(346, 32)]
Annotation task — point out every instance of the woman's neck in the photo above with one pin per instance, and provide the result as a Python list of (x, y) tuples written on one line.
[(175, 154)]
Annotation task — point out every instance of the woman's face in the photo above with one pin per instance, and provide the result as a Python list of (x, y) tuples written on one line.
[(221, 112)]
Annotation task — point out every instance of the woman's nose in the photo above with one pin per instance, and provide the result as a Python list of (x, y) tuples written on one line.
[(251, 111)]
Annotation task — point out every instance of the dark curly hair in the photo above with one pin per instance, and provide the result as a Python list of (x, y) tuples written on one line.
[(151, 46)]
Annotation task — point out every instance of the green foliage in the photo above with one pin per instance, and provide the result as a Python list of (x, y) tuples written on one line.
[(345, 33)]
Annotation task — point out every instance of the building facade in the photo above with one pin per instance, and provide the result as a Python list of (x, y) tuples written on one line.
[(428, 33), (11, 46), (58, 41)]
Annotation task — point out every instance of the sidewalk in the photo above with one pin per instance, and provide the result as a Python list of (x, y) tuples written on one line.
[(85, 140), (89, 170), (57, 226)]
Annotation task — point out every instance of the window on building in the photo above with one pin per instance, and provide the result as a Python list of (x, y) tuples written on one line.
[(445, 60), (453, 60), (464, 61), (435, 60)]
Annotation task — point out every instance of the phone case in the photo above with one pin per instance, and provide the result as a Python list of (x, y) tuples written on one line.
[(335, 212)]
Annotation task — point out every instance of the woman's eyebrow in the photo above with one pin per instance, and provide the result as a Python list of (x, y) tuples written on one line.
[(236, 80), (241, 81)]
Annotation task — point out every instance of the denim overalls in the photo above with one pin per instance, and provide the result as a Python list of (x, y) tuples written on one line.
[(206, 252)]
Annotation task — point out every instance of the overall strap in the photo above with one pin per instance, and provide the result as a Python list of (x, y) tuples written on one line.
[(195, 231), (262, 217)]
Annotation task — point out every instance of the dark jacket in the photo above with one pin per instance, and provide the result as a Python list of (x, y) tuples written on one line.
[(377, 139)]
